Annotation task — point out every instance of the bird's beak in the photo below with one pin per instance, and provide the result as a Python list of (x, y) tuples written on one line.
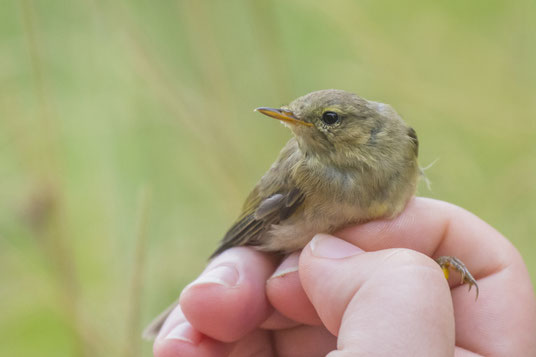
[(283, 115)]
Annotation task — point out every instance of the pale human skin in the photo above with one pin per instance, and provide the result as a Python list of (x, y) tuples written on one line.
[(375, 291)]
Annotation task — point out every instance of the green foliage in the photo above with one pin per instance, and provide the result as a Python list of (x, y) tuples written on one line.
[(102, 100)]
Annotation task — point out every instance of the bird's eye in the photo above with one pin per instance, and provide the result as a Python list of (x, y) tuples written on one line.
[(330, 118)]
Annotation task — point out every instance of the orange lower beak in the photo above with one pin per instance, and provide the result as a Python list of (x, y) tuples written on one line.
[(283, 115)]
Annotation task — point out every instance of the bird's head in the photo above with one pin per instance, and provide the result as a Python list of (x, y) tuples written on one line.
[(337, 126)]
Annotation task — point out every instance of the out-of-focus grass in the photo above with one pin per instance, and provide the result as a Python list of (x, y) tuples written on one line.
[(102, 98)]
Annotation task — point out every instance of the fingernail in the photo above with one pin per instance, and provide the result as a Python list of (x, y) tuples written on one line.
[(223, 274), (289, 265), (185, 332), (326, 246)]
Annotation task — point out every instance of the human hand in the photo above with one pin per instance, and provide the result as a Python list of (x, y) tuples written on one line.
[(377, 300)]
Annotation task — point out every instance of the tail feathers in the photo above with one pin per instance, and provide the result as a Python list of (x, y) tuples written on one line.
[(152, 330)]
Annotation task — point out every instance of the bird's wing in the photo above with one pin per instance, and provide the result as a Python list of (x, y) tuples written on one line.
[(259, 215), (274, 199)]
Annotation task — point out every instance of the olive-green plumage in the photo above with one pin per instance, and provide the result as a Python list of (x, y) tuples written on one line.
[(351, 160)]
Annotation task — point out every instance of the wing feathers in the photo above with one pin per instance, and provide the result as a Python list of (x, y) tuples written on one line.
[(250, 227), (269, 205)]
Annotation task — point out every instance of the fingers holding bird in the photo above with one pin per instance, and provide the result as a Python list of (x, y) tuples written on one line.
[(244, 295), (227, 311), (368, 298), (232, 281), (437, 228), (179, 338), (286, 294)]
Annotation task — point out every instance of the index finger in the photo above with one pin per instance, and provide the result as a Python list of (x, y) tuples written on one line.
[(502, 320)]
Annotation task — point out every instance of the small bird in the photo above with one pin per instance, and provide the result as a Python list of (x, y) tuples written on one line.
[(351, 160)]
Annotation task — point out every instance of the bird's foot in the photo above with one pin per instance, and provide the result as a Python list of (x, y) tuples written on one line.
[(447, 262)]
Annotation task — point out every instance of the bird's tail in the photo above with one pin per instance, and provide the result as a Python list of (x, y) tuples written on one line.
[(152, 330)]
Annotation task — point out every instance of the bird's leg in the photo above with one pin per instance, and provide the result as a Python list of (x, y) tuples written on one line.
[(447, 262)]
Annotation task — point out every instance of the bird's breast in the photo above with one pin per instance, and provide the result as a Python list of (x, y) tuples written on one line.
[(338, 198)]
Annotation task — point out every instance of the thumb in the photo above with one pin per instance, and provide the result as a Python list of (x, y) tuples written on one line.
[(389, 302)]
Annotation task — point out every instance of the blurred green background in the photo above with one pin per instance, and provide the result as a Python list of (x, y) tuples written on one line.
[(128, 141)]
